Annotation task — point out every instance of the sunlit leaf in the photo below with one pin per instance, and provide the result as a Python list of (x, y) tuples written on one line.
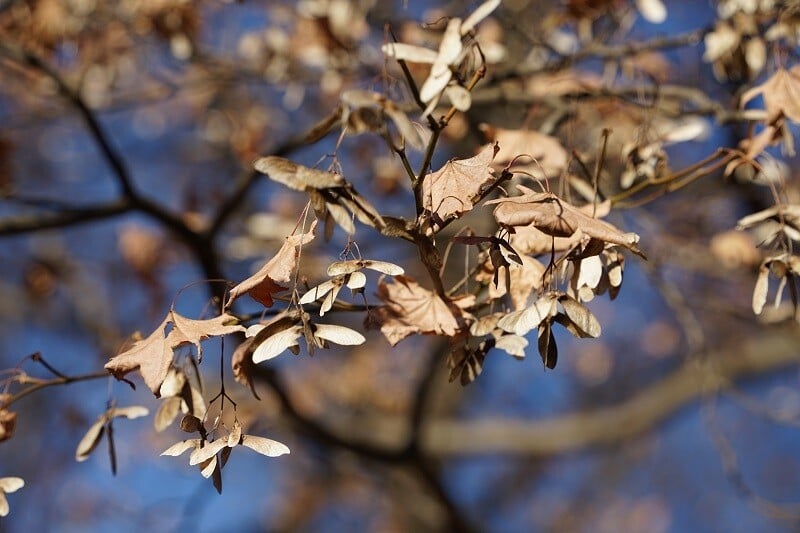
[(338, 268), (210, 449), (264, 446), (480, 13), (338, 334), (262, 285), (296, 176), (581, 316), (453, 189), (277, 344), (179, 447)]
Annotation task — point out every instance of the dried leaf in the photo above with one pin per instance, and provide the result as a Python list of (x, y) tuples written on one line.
[(453, 189), (338, 334), (513, 345), (414, 309), (243, 365), (652, 10), (277, 344), (521, 322), (207, 451), (8, 421), (580, 315), (548, 154), (761, 289), (338, 268), (91, 439), (480, 13), (153, 355), (449, 51), (262, 285), (7, 486), (297, 177), (264, 446), (179, 447), (190, 331), (409, 52), (781, 94), (167, 412), (553, 216)]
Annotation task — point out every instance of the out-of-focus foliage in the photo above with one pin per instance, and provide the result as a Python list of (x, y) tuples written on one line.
[(430, 199)]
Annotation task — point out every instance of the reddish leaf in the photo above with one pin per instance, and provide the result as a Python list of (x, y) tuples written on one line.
[(262, 285)]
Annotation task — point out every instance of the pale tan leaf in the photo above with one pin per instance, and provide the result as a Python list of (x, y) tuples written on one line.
[(512, 345), (243, 366), (11, 484), (235, 435), (91, 439), (338, 268), (277, 344), (453, 189), (296, 176), (208, 468), (264, 446), (190, 331), (179, 447), (581, 316), (522, 322), (480, 13), (342, 217), (409, 52), (553, 216), (338, 334), (546, 155), (315, 293), (459, 97), (449, 51), (167, 411), (417, 308), (531, 241), (761, 289), (173, 383), (781, 94), (130, 412), (652, 10), (210, 449), (357, 280), (262, 284)]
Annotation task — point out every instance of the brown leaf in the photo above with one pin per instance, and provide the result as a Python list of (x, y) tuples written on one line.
[(781, 94), (414, 309), (190, 331), (153, 355), (262, 285), (580, 316), (548, 349), (545, 154), (243, 366), (297, 177), (8, 421), (548, 213), (453, 189)]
